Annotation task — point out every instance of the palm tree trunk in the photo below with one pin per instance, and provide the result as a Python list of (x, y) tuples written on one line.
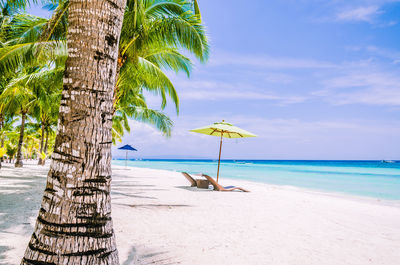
[(18, 162), (40, 162), (2, 138), (46, 145), (74, 225)]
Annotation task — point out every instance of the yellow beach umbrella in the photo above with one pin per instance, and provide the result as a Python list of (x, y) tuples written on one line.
[(223, 129)]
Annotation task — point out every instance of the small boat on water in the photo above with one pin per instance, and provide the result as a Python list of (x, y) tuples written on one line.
[(388, 161)]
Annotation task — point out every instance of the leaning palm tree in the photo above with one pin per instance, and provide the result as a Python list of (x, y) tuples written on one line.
[(76, 203)]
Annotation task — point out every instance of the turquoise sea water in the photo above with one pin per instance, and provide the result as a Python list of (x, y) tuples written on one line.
[(365, 178)]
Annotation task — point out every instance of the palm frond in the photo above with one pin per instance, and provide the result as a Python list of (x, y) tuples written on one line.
[(155, 9), (25, 28), (156, 81), (170, 59), (12, 57)]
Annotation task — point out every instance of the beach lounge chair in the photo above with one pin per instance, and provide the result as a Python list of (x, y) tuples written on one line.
[(199, 183), (221, 188), (191, 180)]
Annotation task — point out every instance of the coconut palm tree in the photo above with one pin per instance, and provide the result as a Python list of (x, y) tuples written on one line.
[(33, 87), (7, 126), (153, 33), (81, 170), (11, 150), (47, 90), (81, 167), (31, 141), (17, 99), (10, 137), (49, 141)]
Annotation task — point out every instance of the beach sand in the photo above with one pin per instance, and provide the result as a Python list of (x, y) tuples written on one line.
[(159, 219)]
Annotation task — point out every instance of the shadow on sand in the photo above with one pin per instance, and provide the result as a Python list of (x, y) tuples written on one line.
[(160, 258)]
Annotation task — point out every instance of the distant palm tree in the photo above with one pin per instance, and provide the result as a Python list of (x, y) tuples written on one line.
[(7, 126), (11, 150), (17, 99), (47, 90), (31, 141)]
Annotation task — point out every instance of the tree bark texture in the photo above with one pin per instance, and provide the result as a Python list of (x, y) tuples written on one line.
[(18, 162), (74, 225), (40, 162)]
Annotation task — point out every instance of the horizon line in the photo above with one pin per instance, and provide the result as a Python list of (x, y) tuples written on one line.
[(213, 159)]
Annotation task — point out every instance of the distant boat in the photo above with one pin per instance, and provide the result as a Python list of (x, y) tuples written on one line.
[(388, 161)]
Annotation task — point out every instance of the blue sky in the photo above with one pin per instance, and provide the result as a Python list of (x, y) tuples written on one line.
[(314, 79)]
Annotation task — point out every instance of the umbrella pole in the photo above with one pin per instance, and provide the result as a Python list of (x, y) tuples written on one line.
[(219, 158), (126, 159)]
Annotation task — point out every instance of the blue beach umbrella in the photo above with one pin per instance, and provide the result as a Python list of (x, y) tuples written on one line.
[(127, 148)]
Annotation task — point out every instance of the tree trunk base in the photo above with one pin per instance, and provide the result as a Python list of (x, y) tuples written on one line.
[(19, 164), (40, 162)]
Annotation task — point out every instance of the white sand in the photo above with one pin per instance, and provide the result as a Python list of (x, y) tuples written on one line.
[(158, 219)]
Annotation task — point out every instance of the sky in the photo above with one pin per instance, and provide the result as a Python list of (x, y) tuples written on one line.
[(313, 79)]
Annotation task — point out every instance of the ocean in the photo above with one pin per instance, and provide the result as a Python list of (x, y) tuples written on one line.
[(362, 178)]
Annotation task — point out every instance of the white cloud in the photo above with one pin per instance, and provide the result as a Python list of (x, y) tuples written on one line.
[(279, 78), (392, 55), (364, 14), (242, 95), (349, 82), (217, 90), (276, 139), (375, 88), (298, 130), (266, 61)]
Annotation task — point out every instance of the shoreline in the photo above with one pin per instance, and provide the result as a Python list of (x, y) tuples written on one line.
[(159, 219), (374, 181), (343, 195)]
